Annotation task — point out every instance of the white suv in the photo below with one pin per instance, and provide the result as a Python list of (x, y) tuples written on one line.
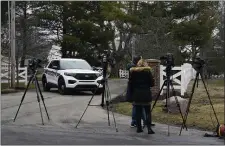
[(75, 74)]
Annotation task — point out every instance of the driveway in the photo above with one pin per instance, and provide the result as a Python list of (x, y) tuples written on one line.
[(65, 111)]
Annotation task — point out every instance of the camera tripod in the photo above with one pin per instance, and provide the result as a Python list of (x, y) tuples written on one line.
[(168, 83), (33, 78), (107, 96), (198, 74)]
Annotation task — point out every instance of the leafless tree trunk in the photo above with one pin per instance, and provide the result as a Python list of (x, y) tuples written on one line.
[(24, 28)]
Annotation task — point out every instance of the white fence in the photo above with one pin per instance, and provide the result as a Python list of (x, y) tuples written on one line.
[(5, 75), (185, 72), (218, 76)]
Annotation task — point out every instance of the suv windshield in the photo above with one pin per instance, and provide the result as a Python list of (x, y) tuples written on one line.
[(74, 64)]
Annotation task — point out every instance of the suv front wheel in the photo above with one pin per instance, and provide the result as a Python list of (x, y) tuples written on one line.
[(62, 87)]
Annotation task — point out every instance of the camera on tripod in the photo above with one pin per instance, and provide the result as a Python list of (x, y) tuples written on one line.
[(109, 59), (34, 63), (167, 60), (198, 63), (108, 62)]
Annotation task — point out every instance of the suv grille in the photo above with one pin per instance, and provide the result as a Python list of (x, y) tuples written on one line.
[(85, 87), (86, 76)]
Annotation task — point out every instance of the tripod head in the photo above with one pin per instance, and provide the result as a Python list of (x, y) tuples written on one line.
[(108, 62), (198, 64), (168, 61), (34, 64)]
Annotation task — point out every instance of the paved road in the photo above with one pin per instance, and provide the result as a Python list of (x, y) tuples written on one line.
[(65, 112)]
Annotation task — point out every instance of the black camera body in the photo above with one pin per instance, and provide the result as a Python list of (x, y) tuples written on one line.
[(109, 59), (108, 62), (34, 63), (167, 60), (198, 63)]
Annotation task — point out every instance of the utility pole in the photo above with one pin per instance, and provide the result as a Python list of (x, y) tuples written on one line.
[(224, 25), (223, 21), (9, 38), (12, 44)]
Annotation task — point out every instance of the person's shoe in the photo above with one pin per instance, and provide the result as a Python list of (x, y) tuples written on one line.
[(133, 125), (150, 131), (139, 130), (152, 124)]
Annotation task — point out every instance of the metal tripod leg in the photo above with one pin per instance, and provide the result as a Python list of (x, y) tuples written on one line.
[(87, 106), (177, 102), (209, 98), (23, 96), (112, 109), (107, 103), (167, 95), (189, 102), (42, 98), (103, 94), (38, 99), (167, 104), (158, 95)]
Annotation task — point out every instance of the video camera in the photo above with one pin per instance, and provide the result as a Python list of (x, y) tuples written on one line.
[(34, 63), (198, 63), (109, 59), (108, 62), (167, 60)]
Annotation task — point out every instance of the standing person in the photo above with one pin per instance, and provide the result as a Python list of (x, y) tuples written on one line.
[(133, 122), (141, 80)]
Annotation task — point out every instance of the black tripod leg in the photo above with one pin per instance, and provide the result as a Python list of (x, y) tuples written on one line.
[(102, 104), (38, 99), (87, 106), (197, 81), (23, 97), (107, 105), (42, 98), (167, 97), (209, 98), (112, 109), (189, 103), (177, 102), (158, 95)]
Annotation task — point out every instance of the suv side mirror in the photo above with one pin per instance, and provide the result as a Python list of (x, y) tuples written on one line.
[(55, 67)]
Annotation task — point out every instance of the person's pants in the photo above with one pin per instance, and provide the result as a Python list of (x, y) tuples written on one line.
[(143, 117), (139, 113)]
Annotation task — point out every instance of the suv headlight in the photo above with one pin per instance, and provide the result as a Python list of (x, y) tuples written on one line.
[(98, 74), (69, 74)]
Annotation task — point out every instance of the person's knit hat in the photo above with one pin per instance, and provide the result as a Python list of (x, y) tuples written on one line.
[(136, 59)]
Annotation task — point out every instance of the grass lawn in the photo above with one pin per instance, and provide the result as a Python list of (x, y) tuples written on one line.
[(200, 110), (5, 87)]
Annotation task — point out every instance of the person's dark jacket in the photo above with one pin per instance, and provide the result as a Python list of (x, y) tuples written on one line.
[(129, 66), (128, 91), (141, 80)]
